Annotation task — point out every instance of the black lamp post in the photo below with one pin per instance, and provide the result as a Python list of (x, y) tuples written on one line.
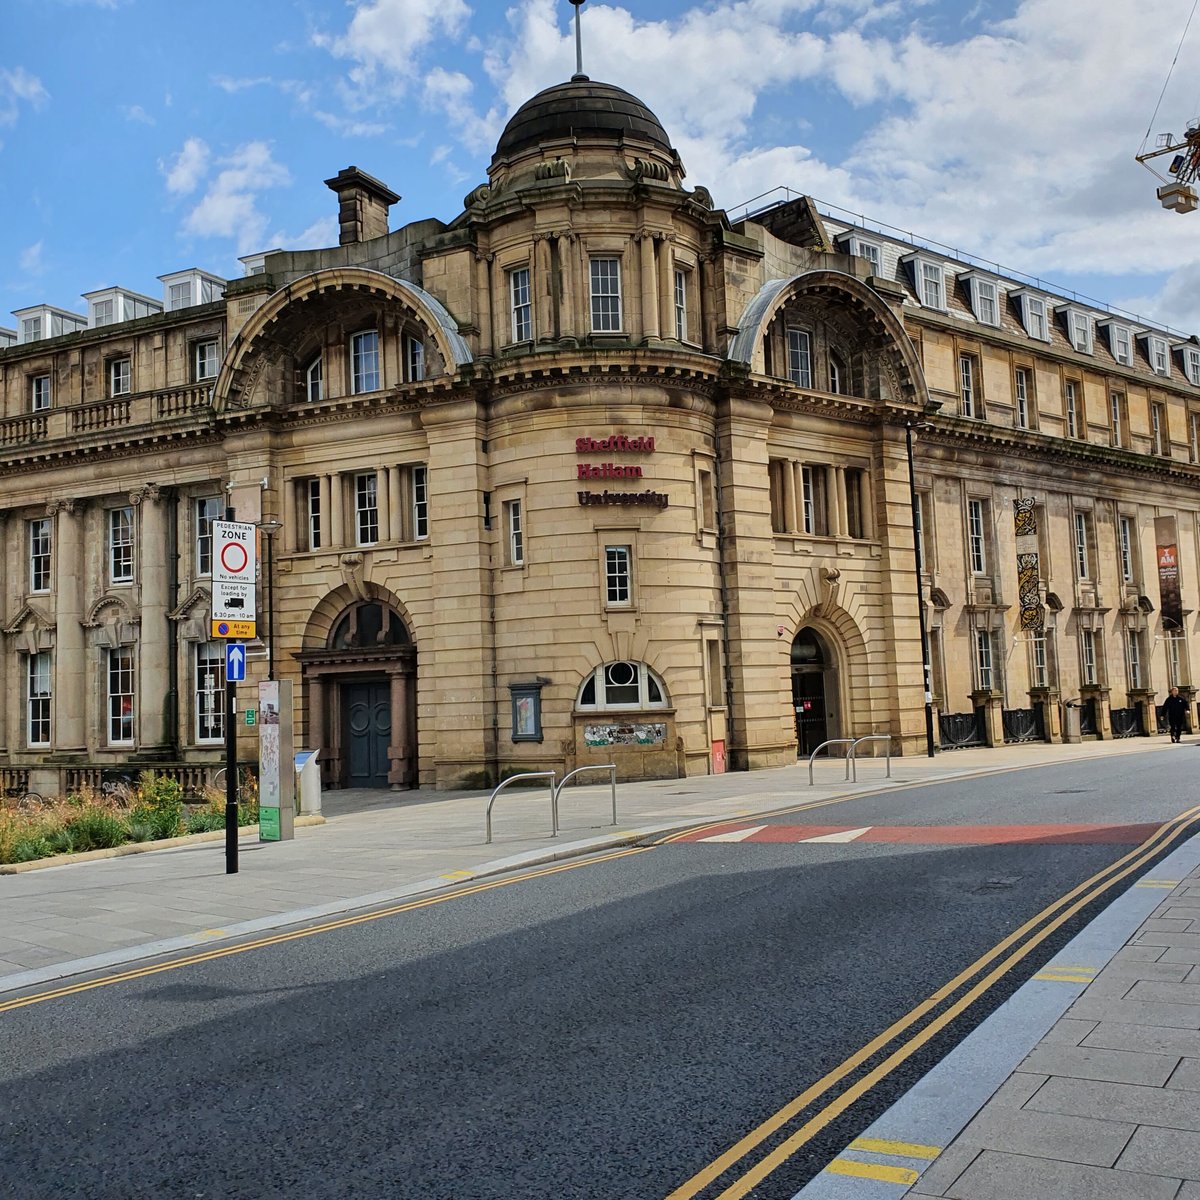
[(270, 528), (919, 551)]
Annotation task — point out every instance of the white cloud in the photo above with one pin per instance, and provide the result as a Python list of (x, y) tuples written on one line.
[(323, 232), (185, 171), (387, 36), (229, 206), (30, 259), (135, 112), (17, 87)]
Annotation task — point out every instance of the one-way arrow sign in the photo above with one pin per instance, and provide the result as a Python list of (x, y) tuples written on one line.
[(235, 662)]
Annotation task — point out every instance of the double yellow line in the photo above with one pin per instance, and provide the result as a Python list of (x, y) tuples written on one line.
[(1054, 915), (309, 931)]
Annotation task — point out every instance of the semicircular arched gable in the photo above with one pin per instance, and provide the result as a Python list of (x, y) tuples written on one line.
[(267, 333), (867, 306), (330, 607)]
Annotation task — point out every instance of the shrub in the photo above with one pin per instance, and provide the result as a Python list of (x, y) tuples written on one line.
[(205, 821), (140, 830), (62, 841), (97, 829), (159, 803), (26, 849)]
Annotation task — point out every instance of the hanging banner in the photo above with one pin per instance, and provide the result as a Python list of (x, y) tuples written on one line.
[(1028, 596), (1167, 546)]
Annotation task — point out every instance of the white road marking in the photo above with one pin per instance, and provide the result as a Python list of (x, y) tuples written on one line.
[(735, 835), (847, 835)]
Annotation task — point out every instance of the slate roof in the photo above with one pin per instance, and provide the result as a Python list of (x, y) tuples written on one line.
[(583, 108)]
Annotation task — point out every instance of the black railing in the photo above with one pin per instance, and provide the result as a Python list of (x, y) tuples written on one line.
[(960, 730), (1126, 722), (1023, 724)]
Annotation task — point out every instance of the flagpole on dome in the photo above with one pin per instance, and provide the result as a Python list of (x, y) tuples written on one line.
[(578, 42)]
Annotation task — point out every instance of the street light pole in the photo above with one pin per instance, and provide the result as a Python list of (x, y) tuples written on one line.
[(918, 550)]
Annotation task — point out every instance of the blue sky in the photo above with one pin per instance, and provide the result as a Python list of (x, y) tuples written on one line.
[(139, 137)]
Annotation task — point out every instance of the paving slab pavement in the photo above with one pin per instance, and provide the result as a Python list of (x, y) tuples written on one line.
[(377, 847)]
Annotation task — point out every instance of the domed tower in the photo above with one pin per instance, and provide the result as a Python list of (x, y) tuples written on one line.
[(583, 129), (586, 230)]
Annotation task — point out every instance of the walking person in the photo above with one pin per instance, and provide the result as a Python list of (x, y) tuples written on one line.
[(1175, 709)]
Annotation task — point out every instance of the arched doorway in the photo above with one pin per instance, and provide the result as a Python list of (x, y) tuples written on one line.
[(362, 699), (814, 691)]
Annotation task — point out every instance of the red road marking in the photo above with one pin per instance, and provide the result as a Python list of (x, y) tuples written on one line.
[(948, 835)]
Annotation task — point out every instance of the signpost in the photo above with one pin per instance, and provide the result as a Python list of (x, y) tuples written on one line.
[(233, 579), (233, 616), (235, 662)]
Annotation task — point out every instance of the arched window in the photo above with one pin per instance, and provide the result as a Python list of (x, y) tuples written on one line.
[(368, 625), (621, 685), (314, 381)]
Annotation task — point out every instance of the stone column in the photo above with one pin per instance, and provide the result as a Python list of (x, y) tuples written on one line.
[(568, 297), (295, 517), (666, 287), (337, 522), (71, 684), (841, 503), (325, 501), (650, 326), (315, 733), (542, 289), (789, 470), (383, 505), (483, 292), (707, 331), (399, 749), (153, 673), (395, 502)]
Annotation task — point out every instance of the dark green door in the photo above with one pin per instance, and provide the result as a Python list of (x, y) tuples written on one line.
[(368, 731)]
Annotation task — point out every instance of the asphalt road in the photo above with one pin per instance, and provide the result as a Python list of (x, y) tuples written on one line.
[(603, 1030)]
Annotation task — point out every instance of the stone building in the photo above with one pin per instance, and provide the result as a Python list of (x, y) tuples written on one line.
[(590, 473)]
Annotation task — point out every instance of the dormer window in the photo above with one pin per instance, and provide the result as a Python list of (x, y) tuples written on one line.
[(929, 280), (984, 298), (1034, 318), (860, 248), (1190, 357), (1157, 354), (1120, 343), (1079, 327)]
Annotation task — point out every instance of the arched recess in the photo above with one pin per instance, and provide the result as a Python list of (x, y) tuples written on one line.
[(283, 326), (829, 688), (877, 326), (358, 662)]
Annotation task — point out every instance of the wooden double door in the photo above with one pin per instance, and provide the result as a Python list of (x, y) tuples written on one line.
[(367, 707)]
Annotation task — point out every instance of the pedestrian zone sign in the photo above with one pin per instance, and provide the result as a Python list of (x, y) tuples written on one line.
[(234, 568)]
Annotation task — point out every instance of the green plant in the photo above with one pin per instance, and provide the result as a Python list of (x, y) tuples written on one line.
[(62, 841), (26, 849), (159, 803), (140, 831), (97, 829), (205, 821)]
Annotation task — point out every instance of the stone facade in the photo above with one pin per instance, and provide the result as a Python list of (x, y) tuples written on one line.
[(590, 474)]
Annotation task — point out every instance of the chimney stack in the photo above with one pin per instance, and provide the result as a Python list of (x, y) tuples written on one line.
[(363, 204)]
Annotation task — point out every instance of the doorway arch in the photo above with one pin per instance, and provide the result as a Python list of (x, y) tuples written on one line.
[(815, 690), (361, 683)]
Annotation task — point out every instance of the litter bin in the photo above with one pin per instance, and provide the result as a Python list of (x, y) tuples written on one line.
[(308, 781), (1071, 722)]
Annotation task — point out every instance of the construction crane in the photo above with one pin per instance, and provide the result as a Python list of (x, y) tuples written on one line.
[(1178, 192)]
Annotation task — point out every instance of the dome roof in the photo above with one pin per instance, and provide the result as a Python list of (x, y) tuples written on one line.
[(582, 108)]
